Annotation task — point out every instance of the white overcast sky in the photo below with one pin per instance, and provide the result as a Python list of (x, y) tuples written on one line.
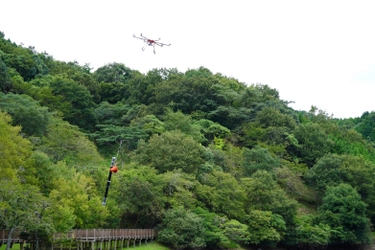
[(319, 53)]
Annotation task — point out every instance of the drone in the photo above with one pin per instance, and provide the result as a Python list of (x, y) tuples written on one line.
[(151, 42)]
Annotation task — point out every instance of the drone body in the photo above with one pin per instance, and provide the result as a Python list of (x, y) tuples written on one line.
[(151, 42)]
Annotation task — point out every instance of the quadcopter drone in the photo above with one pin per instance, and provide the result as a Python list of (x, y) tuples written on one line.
[(151, 42)]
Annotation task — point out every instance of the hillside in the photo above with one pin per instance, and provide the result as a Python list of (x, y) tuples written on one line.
[(208, 161)]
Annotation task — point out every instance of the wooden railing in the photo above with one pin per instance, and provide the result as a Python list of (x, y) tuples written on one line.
[(4, 235), (89, 235)]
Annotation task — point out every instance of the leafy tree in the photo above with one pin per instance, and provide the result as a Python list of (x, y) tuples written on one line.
[(26, 112), (212, 130), (184, 123), (326, 172), (107, 113), (149, 123), (230, 159), (236, 231), (5, 83), (40, 90), (253, 133), (113, 72), (62, 216), (351, 142), (310, 234), (263, 193), (186, 93), (366, 126), (272, 117), (293, 184), (265, 228), (259, 158), (21, 207), (178, 188), (182, 229), (65, 142), (111, 138), (345, 212), (140, 89), (79, 74), (77, 198), (313, 143), (81, 113), (15, 150), (25, 60), (113, 79), (140, 197), (222, 194), (170, 150), (213, 233), (332, 170), (229, 116)]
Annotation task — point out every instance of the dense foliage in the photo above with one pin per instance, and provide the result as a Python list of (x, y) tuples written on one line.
[(208, 161)]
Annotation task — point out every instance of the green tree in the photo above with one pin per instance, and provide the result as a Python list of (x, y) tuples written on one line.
[(187, 93), (113, 79), (113, 72), (345, 212), (178, 188), (25, 60), (21, 207), (332, 170), (222, 194), (228, 157), (26, 112), (65, 142), (76, 195), (149, 123), (184, 123), (272, 117), (213, 233), (170, 150), (310, 234), (182, 229), (313, 143), (236, 231), (293, 184), (327, 172), (82, 111), (253, 133), (139, 194), (265, 228), (366, 126), (259, 158), (121, 138), (212, 130), (5, 83), (15, 150), (263, 193)]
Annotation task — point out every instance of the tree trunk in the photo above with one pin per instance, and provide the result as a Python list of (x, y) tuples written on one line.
[(36, 240), (9, 242)]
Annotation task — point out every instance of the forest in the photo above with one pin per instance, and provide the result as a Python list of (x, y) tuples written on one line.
[(206, 160)]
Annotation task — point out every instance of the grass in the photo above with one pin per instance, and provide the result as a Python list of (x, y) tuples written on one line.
[(150, 246), (372, 237), (15, 246)]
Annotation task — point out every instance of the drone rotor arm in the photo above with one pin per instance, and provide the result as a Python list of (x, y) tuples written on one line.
[(162, 44), (143, 39)]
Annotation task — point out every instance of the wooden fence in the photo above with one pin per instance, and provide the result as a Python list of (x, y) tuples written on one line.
[(100, 238)]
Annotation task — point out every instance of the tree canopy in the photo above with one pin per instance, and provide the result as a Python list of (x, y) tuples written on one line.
[(208, 161)]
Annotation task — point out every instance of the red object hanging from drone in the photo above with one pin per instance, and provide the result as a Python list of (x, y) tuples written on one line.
[(151, 42)]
